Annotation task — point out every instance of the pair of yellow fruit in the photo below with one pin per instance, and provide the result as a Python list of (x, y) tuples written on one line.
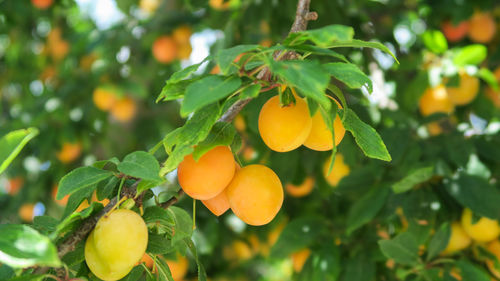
[(122, 109), (285, 128), (167, 48), (254, 192)]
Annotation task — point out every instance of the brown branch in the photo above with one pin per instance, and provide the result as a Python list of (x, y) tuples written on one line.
[(303, 15)]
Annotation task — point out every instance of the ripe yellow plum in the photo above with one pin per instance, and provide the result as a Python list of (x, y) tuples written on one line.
[(320, 138), (484, 230), (339, 170), (459, 239)]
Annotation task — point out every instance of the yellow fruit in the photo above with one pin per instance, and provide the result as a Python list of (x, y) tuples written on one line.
[(103, 99), (494, 248), (299, 259), (26, 212), (206, 178), (238, 250), (435, 100), (239, 123), (300, 190), (116, 244), (255, 194), (434, 128), (149, 6), (14, 185), (184, 51), (339, 170), (165, 49), (484, 230), (124, 109), (69, 152), (178, 267), (182, 34), (459, 240), (466, 91), (42, 4), (482, 27), (284, 128), (320, 138), (217, 205)]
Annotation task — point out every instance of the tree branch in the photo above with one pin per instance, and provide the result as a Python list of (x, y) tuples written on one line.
[(303, 15)]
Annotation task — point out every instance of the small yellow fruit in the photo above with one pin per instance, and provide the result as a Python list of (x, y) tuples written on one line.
[(116, 244), (435, 100), (178, 267), (69, 152), (124, 109), (466, 91), (103, 99), (494, 248), (320, 138), (459, 240), (284, 128), (484, 230), (299, 259), (339, 170), (217, 205), (302, 189)]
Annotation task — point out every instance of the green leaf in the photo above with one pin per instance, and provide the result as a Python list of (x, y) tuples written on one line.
[(350, 75), (402, 249), (28, 277), (148, 184), (359, 268), (140, 164), (324, 264), (158, 244), (174, 91), (77, 198), (12, 143), (250, 92), (366, 137), (21, 246), (208, 90), (80, 178), (76, 256), (183, 73), (322, 36), (70, 222), (183, 224), (470, 271), (175, 158), (413, 178), (308, 77), (164, 273), (475, 193), (222, 134), (226, 57), (317, 51), (366, 208), (105, 188), (159, 219), (439, 241), (45, 224), (363, 44), (489, 78), (435, 41), (135, 274), (297, 235), (472, 54), (202, 275), (101, 164)]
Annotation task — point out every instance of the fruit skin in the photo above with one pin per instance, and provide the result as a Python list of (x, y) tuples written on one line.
[(206, 178), (103, 99), (14, 185), (482, 28), (255, 194), (302, 189), (116, 244), (455, 33), (124, 109), (178, 267), (435, 100), (459, 239), (299, 259), (217, 205), (490, 92), (320, 138), (494, 248), (42, 4), (339, 170), (484, 230), (182, 34), (149, 6), (284, 128), (238, 250), (26, 212), (165, 49), (69, 152), (466, 91)]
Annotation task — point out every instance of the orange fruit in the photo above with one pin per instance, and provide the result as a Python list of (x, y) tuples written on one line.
[(284, 128), (103, 99), (184, 51), (124, 109), (239, 123), (435, 100), (206, 178), (149, 6), (182, 34), (69, 152), (219, 4), (483, 230), (61, 202), (26, 212), (466, 91), (455, 33), (459, 239), (217, 205), (302, 189), (147, 260), (42, 4), (482, 27), (14, 185), (178, 267), (255, 194), (320, 138), (494, 248), (339, 170), (299, 259), (165, 49)]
